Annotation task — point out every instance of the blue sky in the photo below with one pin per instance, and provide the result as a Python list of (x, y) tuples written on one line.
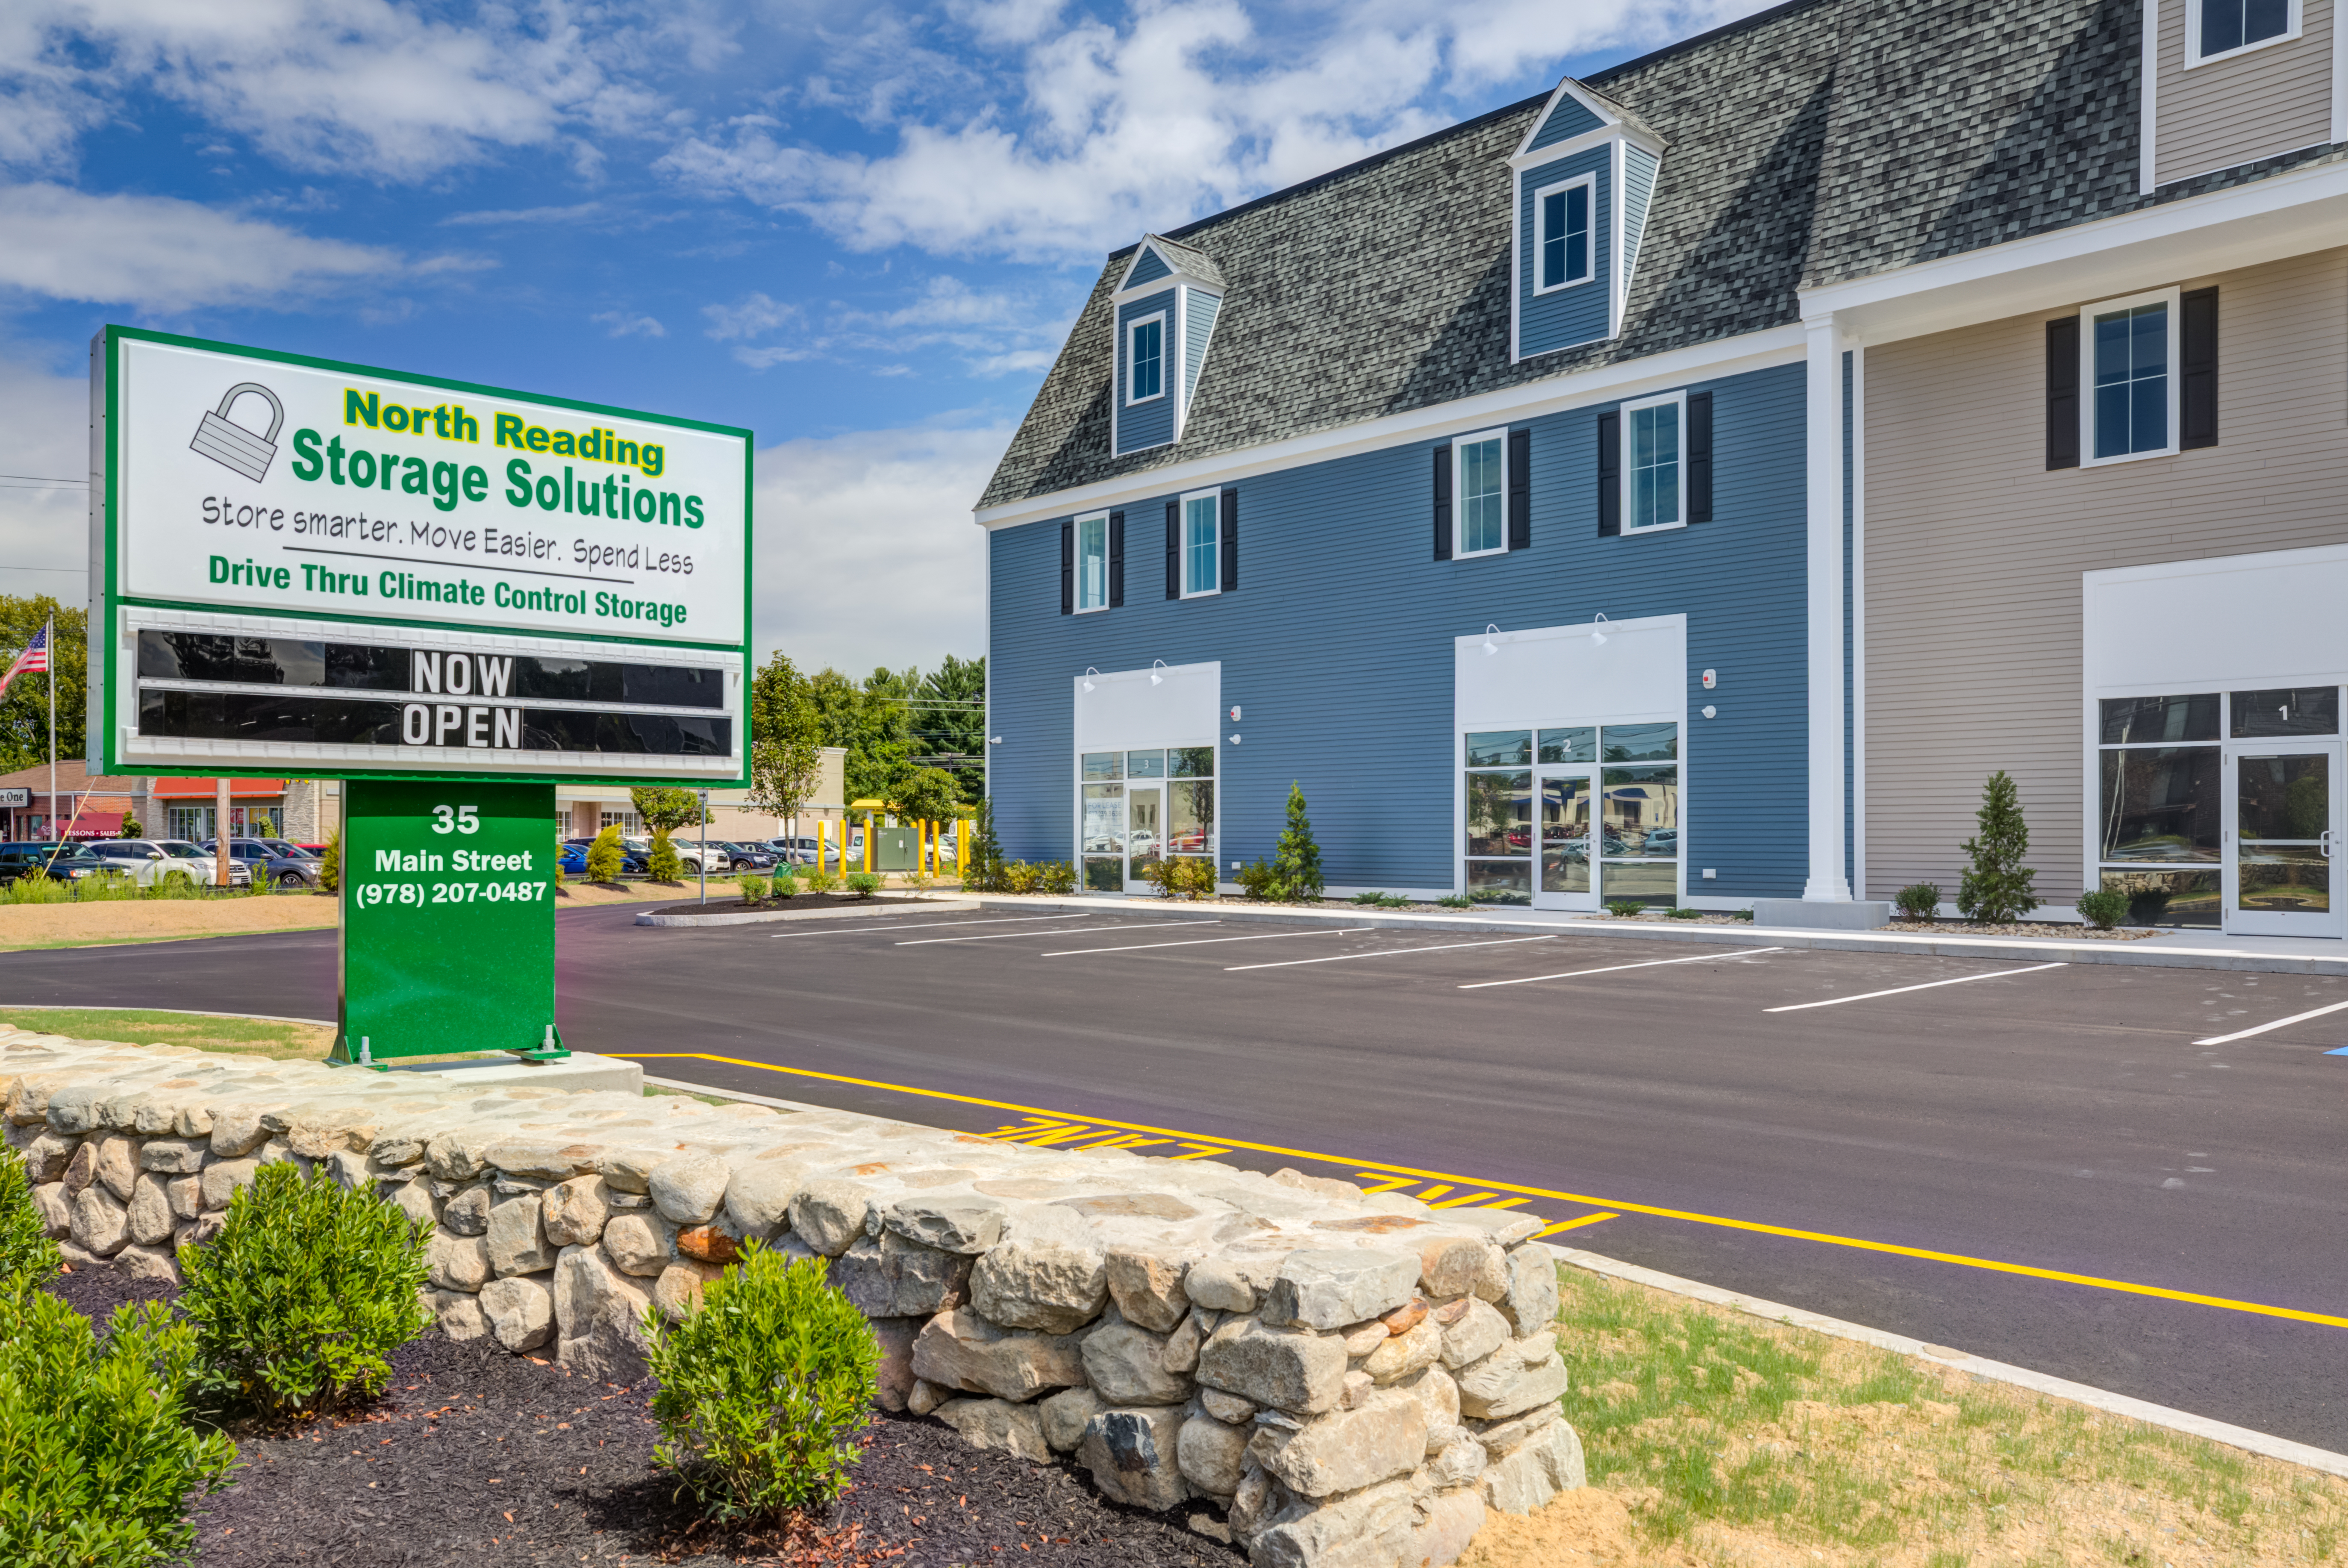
[(860, 230)]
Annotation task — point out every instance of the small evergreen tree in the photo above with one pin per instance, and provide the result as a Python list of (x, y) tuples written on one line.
[(330, 863), (604, 856), (985, 872), (1296, 861), (1997, 887), (132, 828), (662, 864)]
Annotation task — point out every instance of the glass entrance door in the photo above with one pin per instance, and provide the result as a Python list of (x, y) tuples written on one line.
[(1145, 837), (1563, 811), (2283, 811)]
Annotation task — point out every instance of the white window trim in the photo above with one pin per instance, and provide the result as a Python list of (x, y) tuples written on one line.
[(1131, 328), (1182, 543), (2087, 314), (1459, 493), (2194, 56), (1540, 240), (1077, 596), (1626, 477)]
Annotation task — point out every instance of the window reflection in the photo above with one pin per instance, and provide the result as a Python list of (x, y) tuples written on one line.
[(2133, 720), (2162, 805), (1499, 747), (1641, 742), (1641, 814), (2295, 710), (1499, 814)]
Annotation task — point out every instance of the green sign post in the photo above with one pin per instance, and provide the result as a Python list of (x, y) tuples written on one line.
[(447, 935)]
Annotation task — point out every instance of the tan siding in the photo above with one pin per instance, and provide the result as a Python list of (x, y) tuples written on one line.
[(1974, 550), (2235, 111)]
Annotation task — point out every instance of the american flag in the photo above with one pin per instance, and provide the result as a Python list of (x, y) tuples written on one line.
[(34, 658)]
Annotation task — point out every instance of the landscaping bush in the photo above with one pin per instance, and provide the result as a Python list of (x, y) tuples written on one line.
[(27, 1257), (176, 884), (301, 1299), (785, 884), (763, 1388), (1997, 887), (604, 856), (753, 888), (1685, 914), (662, 864), (985, 870), (864, 884), (1918, 900), (1455, 901), (1056, 877), (98, 1456), (2103, 910), (1260, 882), (1624, 908), (1020, 877), (132, 828), (1296, 857), (1382, 900), (39, 889), (1185, 876), (821, 879), (330, 863)]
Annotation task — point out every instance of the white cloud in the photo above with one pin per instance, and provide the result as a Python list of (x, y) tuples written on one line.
[(570, 215), (157, 253), (748, 317), (44, 532), (992, 332), (621, 324), (875, 516)]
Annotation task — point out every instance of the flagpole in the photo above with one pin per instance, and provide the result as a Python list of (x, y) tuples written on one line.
[(51, 642)]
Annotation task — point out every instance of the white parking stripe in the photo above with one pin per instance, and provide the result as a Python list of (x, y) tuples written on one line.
[(924, 926), (1008, 935), (1203, 941), (1903, 990), (1385, 952), (1612, 968), (2279, 1023)]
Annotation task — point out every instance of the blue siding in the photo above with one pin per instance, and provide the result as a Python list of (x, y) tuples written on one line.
[(1338, 645), (1579, 314), (1202, 308), (1570, 118), (1149, 269), (1638, 187), (1150, 424)]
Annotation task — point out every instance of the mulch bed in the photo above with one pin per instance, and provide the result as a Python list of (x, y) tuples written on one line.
[(474, 1456)]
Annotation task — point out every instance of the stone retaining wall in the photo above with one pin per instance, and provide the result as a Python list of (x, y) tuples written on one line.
[(1351, 1380)]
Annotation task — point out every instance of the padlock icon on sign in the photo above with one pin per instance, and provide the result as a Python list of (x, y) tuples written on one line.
[(234, 446)]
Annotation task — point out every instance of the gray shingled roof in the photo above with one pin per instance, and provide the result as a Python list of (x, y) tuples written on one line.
[(1932, 127), (1185, 258)]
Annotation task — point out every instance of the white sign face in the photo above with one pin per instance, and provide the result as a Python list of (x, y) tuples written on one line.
[(277, 489)]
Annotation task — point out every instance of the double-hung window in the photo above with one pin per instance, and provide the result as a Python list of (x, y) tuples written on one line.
[(1480, 490), (1092, 562), (1145, 358), (2128, 363), (1562, 212), (2217, 29), (1201, 543), (1654, 470)]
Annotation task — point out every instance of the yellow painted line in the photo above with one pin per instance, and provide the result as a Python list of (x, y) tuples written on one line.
[(1462, 1202), (1861, 1243), (1575, 1224)]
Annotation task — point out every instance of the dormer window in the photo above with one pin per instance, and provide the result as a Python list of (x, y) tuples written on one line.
[(2219, 29), (1145, 356), (1564, 210)]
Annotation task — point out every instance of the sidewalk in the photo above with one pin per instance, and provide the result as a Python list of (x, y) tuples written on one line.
[(2169, 950)]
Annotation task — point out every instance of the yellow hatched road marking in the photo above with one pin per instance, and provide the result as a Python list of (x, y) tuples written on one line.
[(1573, 1224), (1754, 1227)]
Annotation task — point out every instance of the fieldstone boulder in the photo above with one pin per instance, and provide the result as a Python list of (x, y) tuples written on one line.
[(1531, 1302), (1345, 1450), (1404, 1354), (1218, 1286), (517, 1240), (101, 1223), (893, 1379), (1437, 1394), (892, 1277), (150, 1215), (677, 1291), (960, 1349), (1227, 1407), (998, 1424), (185, 1195), (1147, 1288), (688, 1189), (117, 1163), (1447, 1523), (520, 1310), (639, 1242), (1327, 1290), (458, 1263), (601, 1311), (152, 1263), (829, 1214), (1508, 1382), (1372, 1526), (467, 1214), (1126, 1364), (172, 1156), (1458, 1462), (1300, 1373), (574, 1211), (47, 1155), (459, 1312), (1212, 1455), (1044, 1284), (1472, 1329), (965, 1225), (54, 1208), (711, 1244), (1450, 1265), (758, 1197), (1550, 1464), (1065, 1415), (412, 1198), (1135, 1455)]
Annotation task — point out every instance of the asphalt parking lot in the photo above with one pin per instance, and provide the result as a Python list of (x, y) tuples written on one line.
[(2125, 1176)]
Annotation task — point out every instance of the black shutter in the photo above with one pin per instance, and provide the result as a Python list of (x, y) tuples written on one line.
[(1067, 568), (2063, 392), (1443, 503), (1116, 558), (1173, 549), (1230, 541), (1610, 475), (1699, 456), (1521, 489), (2196, 390)]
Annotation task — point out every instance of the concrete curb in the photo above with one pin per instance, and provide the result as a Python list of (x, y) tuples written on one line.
[(761, 916), (2143, 1410), (2152, 953)]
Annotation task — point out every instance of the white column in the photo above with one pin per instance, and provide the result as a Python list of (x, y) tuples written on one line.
[(1827, 883)]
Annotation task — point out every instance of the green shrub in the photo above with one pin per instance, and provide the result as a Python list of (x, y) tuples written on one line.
[(821, 879), (98, 1456), (133, 828), (751, 887), (1685, 914), (2102, 909), (863, 884), (785, 884), (38, 889), (1259, 880), (1624, 908), (176, 884), (1455, 901), (1998, 887), (1018, 876), (1918, 900), (985, 873), (1184, 876), (662, 864), (1056, 877), (330, 863), (301, 1299), (604, 856), (763, 1388), (27, 1257), (1296, 857)]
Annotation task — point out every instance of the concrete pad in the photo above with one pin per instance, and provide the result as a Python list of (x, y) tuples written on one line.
[(1805, 914), (583, 1072)]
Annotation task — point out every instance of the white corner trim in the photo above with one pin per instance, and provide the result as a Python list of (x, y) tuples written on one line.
[(1583, 143), (2147, 139), (1762, 350), (2339, 74), (2135, 1409), (1177, 279)]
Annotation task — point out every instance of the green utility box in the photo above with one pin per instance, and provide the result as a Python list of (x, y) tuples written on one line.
[(894, 849)]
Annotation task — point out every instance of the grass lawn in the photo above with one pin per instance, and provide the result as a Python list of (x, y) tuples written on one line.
[(1714, 1438), (144, 1027)]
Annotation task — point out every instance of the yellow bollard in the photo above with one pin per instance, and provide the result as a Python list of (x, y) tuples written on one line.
[(820, 825), (962, 847), (870, 834)]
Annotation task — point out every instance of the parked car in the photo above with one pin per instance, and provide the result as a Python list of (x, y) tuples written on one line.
[(58, 863), (573, 859), (748, 856), (150, 860), (800, 850), (689, 850), (269, 862)]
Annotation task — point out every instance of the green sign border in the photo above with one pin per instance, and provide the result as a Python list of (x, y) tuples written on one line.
[(108, 761)]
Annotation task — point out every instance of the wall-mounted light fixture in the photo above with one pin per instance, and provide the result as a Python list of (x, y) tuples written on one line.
[(1490, 646), (1089, 673), (994, 740), (1710, 711), (1155, 666), (1597, 631)]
